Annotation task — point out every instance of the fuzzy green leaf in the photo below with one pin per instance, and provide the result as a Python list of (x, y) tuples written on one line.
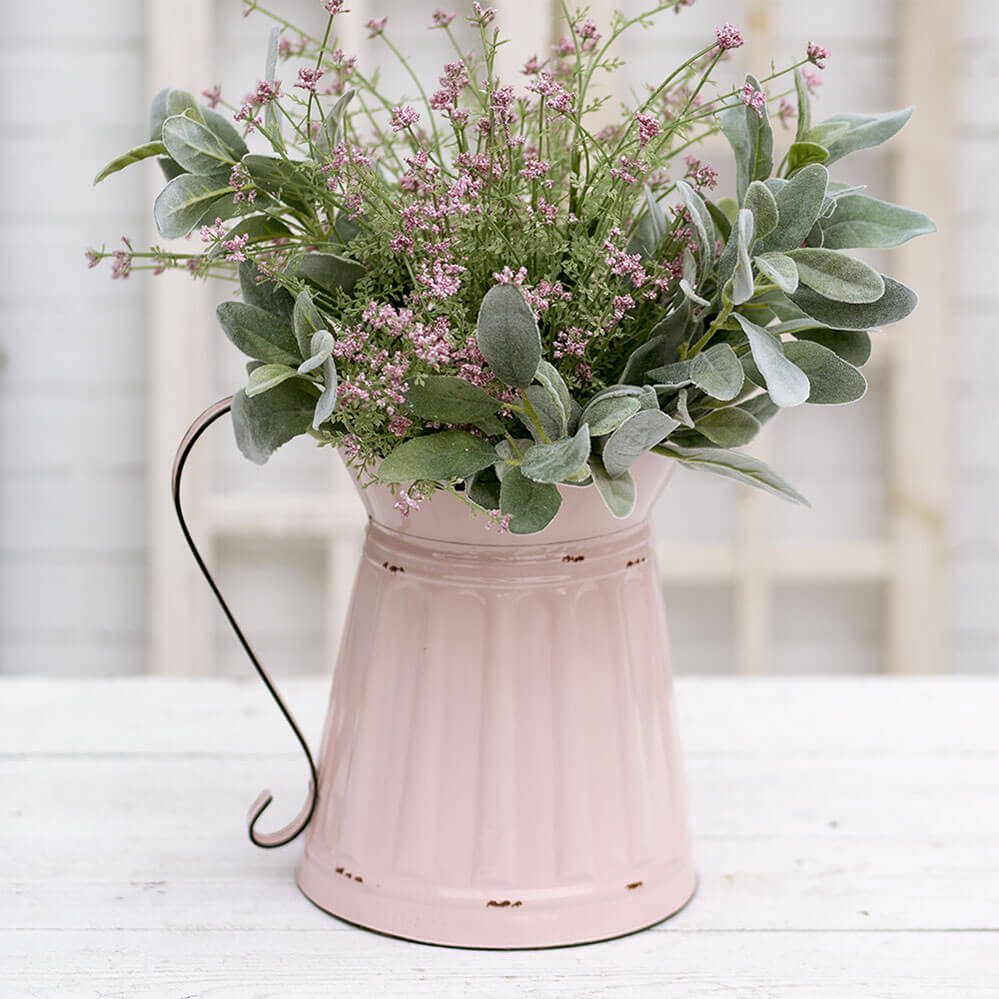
[(306, 321), (743, 282), (851, 345), (761, 202), (326, 403), (894, 305), (320, 350), (804, 119), (662, 347), (530, 505), (258, 334), (734, 465), (450, 399), (786, 383), (185, 201), (181, 102), (136, 155), (704, 228), (833, 381), (634, 437), (718, 372), (605, 415), (265, 294), (442, 457), (617, 492), (837, 276), (264, 423), (799, 202), (559, 460), (751, 137), (780, 268), (728, 427), (549, 378), (225, 132), (266, 377), (332, 127), (195, 147), (801, 154), (861, 221), (649, 229), (548, 412), (508, 336), (329, 271), (865, 131)]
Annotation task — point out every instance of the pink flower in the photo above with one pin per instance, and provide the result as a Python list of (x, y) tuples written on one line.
[(499, 520), (812, 80), (93, 259), (755, 99), (403, 117), (557, 98), (648, 128), (532, 67), (700, 174), (212, 94), (234, 248), (442, 18), (334, 6), (482, 15), (408, 501), (375, 26), (785, 112), (729, 37), (588, 35), (308, 78), (122, 266), (213, 233), (817, 54)]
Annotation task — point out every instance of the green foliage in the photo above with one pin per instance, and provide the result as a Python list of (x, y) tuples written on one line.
[(508, 336), (406, 274), (447, 456)]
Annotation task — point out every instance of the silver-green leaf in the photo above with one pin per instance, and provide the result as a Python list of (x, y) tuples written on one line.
[(799, 202), (718, 372), (634, 437), (894, 305), (618, 492), (442, 457), (258, 334), (266, 377), (728, 427), (862, 221), (320, 351), (833, 381), (531, 506), (450, 399), (508, 336), (780, 268), (185, 201), (195, 147), (136, 155), (266, 422), (786, 383), (559, 460), (743, 282), (837, 275), (865, 131)]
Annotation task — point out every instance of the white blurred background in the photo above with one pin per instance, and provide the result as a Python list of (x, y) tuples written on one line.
[(894, 568)]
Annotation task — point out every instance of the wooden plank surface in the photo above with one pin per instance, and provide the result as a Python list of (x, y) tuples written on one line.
[(846, 831)]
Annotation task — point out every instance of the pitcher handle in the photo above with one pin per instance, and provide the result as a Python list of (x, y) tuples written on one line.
[(285, 835)]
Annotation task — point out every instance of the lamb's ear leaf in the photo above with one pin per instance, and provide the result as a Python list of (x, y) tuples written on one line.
[(258, 334), (761, 202), (804, 122), (799, 202), (185, 201), (718, 372), (548, 411), (483, 489), (733, 465), (785, 381), (559, 460), (780, 268), (195, 147), (618, 492), (266, 377), (605, 415), (224, 131), (853, 346), (634, 437), (743, 282), (326, 403), (728, 427), (443, 457), (662, 347), (531, 506), (761, 407), (329, 271), (266, 294), (802, 154), (508, 336), (650, 228), (894, 305), (861, 221), (319, 351), (332, 127), (549, 378), (306, 321), (837, 276), (704, 227), (450, 399), (865, 131), (180, 102), (751, 137), (262, 424), (136, 155), (833, 382)]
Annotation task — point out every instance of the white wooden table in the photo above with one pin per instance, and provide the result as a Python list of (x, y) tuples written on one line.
[(847, 835)]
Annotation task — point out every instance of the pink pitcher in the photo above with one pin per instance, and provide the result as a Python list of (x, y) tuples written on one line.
[(499, 766)]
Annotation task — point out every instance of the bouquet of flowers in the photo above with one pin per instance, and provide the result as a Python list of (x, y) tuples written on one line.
[(480, 289)]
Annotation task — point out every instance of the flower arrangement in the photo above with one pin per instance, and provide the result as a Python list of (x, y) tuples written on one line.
[(481, 290)]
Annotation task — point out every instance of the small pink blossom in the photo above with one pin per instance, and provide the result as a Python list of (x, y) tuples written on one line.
[(812, 80), (702, 175), (753, 98), (375, 26), (588, 35), (557, 98), (334, 6), (213, 233), (648, 128), (212, 94), (817, 54), (408, 501), (93, 259), (442, 18), (308, 78), (785, 112), (532, 67), (729, 37), (122, 266), (404, 117), (482, 15), (499, 520)]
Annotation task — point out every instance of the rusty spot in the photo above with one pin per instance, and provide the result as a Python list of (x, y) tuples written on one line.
[(634, 885), (392, 568), (573, 558), (634, 561), (339, 870), (359, 879), (504, 904), (518, 902)]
